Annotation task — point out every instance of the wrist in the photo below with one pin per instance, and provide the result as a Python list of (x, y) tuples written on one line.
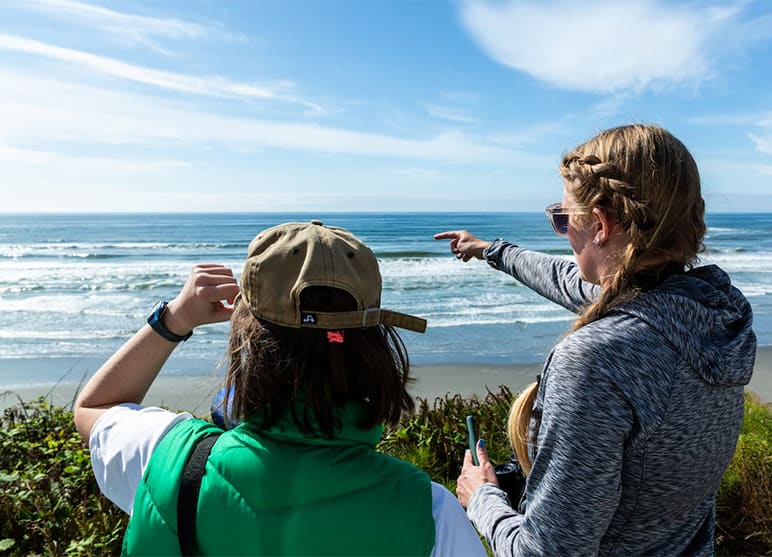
[(174, 319), (159, 322)]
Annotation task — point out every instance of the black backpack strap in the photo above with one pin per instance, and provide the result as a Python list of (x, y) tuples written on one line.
[(190, 485)]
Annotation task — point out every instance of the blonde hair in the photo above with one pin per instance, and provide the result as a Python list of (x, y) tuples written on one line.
[(647, 181)]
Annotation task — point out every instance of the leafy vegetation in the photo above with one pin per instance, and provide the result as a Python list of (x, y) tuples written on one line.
[(50, 503), (744, 501)]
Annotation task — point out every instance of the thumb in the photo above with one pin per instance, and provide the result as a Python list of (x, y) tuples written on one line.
[(482, 452)]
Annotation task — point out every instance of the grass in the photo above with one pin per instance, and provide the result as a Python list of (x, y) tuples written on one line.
[(50, 503)]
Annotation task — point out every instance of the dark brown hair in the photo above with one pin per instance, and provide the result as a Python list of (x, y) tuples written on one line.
[(274, 370)]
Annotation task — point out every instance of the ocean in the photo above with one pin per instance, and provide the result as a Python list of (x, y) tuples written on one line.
[(73, 288)]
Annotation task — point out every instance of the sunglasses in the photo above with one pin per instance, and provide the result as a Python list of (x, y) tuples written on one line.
[(558, 216)]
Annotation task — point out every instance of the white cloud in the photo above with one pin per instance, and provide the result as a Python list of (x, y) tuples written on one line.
[(452, 114), (599, 46), (135, 29), (197, 85), (42, 111), (32, 157), (764, 169), (419, 174), (762, 142)]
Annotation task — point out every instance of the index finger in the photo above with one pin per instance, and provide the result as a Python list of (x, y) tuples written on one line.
[(468, 458), (213, 268), (450, 234)]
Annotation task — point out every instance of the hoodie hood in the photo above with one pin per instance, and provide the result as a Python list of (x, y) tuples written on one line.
[(706, 319)]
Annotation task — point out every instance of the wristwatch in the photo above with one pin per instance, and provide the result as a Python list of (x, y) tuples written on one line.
[(154, 320)]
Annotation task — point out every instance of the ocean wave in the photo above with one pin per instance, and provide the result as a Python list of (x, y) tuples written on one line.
[(408, 254), (722, 231), (497, 320), (113, 249), (59, 335)]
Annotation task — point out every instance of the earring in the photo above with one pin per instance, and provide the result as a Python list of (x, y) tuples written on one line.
[(596, 243)]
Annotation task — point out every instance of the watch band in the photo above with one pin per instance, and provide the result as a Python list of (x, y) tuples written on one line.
[(154, 320)]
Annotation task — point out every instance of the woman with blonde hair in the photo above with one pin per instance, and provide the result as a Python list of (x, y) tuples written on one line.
[(627, 433)]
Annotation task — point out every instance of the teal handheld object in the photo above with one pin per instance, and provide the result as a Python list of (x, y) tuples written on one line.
[(472, 438)]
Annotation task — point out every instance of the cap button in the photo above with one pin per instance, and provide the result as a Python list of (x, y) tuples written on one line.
[(317, 222)]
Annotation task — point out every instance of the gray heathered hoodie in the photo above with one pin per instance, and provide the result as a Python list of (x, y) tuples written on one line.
[(635, 420)]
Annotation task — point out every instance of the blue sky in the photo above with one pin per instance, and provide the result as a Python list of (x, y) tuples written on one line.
[(367, 106)]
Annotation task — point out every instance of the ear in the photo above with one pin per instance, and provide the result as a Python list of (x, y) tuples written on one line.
[(604, 226)]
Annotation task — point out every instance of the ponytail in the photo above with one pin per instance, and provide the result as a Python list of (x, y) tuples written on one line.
[(517, 425)]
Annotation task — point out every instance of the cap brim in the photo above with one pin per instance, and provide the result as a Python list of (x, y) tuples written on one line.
[(358, 319)]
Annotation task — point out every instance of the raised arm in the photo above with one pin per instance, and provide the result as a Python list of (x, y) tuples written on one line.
[(129, 373), (555, 278)]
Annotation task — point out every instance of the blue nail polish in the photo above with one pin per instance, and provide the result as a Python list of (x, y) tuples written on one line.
[(482, 443)]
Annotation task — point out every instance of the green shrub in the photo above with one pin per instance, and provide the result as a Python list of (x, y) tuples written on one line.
[(50, 503), (49, 500), (435, 437), (744, 501)]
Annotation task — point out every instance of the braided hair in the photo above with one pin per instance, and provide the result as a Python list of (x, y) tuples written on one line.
[(646, 180)]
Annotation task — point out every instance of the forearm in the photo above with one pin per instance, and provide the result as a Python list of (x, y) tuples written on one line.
[(555, 278), (495, 519), (128, 374), (125, 377)]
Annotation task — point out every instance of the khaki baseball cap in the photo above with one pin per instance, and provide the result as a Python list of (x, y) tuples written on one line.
[(285, 259)]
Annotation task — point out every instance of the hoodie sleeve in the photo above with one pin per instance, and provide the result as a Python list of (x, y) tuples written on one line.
[(555, 278), (575, 484)]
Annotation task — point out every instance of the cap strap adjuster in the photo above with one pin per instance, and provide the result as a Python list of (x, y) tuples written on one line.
[(371, 317)]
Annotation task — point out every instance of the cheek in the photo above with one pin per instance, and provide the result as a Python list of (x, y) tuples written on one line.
[(577, 236)]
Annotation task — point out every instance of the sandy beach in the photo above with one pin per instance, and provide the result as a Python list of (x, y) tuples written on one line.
[(194, 393)]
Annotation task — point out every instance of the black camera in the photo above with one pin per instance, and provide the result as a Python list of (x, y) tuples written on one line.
[(511, 479)]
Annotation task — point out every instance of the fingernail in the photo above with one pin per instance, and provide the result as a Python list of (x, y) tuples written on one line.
[(482, 443)]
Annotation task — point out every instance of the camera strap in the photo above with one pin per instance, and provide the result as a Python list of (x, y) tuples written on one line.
[(190, 485)]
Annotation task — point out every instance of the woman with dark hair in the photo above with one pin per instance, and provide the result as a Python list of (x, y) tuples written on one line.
[(628, 431), (315, 368)]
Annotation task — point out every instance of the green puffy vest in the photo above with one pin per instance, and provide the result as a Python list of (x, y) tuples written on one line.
[(282, 492)]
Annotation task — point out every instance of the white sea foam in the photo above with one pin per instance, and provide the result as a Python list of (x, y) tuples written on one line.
[(55, 335), (83, 294)]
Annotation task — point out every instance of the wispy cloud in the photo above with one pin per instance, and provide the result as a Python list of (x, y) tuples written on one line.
[(455, 106), (36, 111), (602, 46), (419, 174), (450, 113), (171, 81), (35, 157), (761, 122), (762, 142), (131, 28), (529, 135)]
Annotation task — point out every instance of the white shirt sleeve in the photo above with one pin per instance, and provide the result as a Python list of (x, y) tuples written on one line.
[(455, 535), (121, 443)]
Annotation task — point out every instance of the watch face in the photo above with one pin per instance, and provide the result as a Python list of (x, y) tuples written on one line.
[(158, 310)]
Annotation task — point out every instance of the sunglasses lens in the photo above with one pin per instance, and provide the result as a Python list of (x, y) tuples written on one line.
[(560, 223)]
